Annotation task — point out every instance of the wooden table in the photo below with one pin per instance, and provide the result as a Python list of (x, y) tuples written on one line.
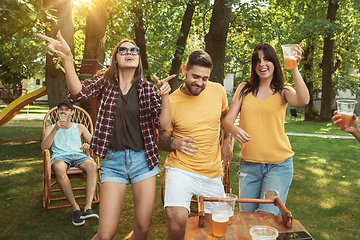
[(240, 227)]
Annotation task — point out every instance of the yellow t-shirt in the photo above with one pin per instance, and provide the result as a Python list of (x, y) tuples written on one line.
[(198, 116), (264, 122)]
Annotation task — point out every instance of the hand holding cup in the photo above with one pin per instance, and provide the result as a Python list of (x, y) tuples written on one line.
[(62, 121), (292, 55)]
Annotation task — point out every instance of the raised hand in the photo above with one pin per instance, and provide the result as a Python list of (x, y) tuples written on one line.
[(163, 85), (57, 48), (60, 124)]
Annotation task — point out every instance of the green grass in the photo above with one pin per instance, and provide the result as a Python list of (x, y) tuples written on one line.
[(323, 195), (327, 128)]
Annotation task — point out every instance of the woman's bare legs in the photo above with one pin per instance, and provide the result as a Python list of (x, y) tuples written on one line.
[(112, 197), (144, 200)]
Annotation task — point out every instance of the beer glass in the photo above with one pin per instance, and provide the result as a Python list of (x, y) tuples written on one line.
[(220, 216), (229, 199), (62, 117), (263, 233), (289, 56), (346, 109)]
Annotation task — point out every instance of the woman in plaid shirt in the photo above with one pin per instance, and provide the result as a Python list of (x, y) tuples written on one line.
[(123, 137)]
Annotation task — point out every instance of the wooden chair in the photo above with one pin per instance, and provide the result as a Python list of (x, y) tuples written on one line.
[(285, 213), (82, 117), (294, 114)]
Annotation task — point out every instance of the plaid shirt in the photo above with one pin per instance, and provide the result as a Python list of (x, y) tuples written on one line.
[(107, 94)]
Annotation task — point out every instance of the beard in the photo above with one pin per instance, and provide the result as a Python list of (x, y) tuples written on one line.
[(194, 89)]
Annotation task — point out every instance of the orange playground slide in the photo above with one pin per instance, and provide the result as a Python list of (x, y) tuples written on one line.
[(15, 106)]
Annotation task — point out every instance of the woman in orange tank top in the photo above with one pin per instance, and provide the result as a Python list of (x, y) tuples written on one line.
[(266, 167)]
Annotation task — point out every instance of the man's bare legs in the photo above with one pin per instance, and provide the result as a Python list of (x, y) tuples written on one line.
[(176, 222), (62, 179), (91, 178)]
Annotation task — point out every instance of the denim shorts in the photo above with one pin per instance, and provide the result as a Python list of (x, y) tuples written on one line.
[(256, 178), (72, 160), (181, 185), (126, 167)]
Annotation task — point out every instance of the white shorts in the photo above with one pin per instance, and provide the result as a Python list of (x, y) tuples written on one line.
[(181, 185)]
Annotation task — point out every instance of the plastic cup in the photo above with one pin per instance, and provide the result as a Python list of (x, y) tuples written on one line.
[(230, 200), (62, 117), (220, 216), (263, 233), (346, 109), (289, 56)]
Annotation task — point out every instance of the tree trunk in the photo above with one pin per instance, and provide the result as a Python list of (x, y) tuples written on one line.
[(327, 66), (215, 39), (95, 31), (55, 78), (180, 45), (310, 112), (141, 41)]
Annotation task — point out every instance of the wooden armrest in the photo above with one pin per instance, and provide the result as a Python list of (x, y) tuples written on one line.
[(226, 181), (47, 160), (285, 213), (201, 212)]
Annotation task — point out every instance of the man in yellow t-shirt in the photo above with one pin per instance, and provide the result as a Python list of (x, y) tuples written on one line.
[(193, 166)]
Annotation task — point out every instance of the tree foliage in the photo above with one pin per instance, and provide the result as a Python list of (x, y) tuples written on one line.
[(159, 25), (19, 50)]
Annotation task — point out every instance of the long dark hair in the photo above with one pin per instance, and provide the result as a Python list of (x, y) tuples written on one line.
[(278, 81), (113, 69)]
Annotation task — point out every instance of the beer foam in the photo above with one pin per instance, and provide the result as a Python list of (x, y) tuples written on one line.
[(345, 113), (291, 57), (220, 217)]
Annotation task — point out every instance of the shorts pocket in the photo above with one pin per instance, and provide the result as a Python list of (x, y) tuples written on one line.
[(109, 155)]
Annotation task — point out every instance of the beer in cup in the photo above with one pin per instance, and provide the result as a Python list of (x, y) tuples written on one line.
[(229, 199), (63, 117), (289, 56), (346, 109), (220, 216)]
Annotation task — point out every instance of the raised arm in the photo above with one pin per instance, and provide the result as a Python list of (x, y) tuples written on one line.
[(50, 133), (61, 49), (300, 95), (165, 115)]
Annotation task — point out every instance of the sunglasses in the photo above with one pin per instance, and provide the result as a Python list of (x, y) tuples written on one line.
[(124, 50)]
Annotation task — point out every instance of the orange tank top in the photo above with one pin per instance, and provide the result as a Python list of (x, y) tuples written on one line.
[(264, 122)]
